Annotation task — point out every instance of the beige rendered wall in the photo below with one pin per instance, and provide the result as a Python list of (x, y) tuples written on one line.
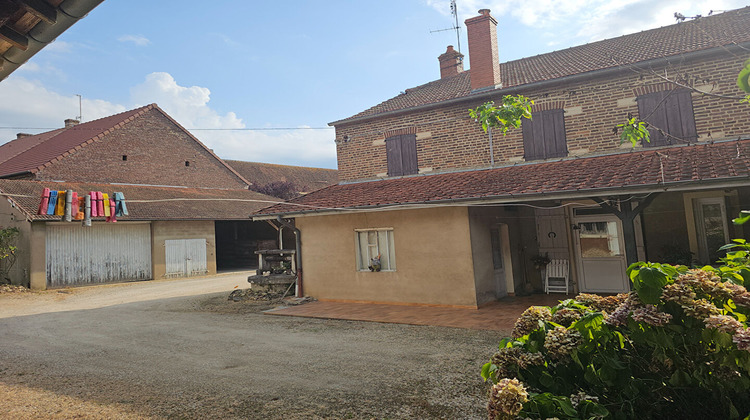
[(10, 217), (433, 258), (163, 230)]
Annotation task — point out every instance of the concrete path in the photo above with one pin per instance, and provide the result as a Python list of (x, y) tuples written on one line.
[(180, 349)]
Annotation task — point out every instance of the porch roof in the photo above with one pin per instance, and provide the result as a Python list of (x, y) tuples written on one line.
[(696, 166)]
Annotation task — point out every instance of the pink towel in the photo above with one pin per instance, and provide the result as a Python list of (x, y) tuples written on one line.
[(45, 202)]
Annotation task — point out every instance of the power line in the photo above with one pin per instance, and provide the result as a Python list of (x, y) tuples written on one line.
[(190, 129)]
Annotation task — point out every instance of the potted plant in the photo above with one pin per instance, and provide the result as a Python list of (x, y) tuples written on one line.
[(540, 261)]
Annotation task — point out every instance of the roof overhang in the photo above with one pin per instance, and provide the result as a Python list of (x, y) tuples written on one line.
[(56, 21), (720, 183)]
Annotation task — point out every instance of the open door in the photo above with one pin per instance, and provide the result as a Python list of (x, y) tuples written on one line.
[(501, 260)]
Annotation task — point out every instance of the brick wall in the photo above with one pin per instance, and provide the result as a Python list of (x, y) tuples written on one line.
[(447, 139), (155, 151)]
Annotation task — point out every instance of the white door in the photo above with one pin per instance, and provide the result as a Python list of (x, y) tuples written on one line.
[(600, 252), (501, 260), (104, 252), (185, 257)]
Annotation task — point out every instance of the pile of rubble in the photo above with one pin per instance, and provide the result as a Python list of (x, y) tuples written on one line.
[(10, 288), (239, 295)]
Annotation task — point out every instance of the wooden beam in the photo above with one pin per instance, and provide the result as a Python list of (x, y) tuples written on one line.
[(16, 39), (41, 9)]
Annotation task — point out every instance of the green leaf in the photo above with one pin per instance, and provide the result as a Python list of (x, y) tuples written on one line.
[(743, 78), (487, 371), (546, 379)]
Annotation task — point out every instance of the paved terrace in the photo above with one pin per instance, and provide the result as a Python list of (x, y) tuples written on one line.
[(496, 316)]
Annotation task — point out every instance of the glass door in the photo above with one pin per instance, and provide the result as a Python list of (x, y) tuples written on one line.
[(601, 254)]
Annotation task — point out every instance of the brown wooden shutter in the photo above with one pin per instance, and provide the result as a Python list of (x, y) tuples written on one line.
[(409, 154), (530, 151), (672, 112), (682, 104), (655, 117), (544, 135), (393, 156)]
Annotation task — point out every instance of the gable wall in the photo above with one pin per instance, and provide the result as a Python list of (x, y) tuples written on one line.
[(156, 151), (448, 139)]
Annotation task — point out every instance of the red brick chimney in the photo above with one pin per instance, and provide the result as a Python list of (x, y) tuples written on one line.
[(483, 56), (71, 123), (451, 62)]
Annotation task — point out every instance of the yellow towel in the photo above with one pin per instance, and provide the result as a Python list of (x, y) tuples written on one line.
[(60, 207), (105, 196)]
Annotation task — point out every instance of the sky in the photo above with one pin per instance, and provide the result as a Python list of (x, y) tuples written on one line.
[(260, 81)]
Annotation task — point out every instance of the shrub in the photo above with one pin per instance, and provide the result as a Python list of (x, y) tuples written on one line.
[(677, 346)]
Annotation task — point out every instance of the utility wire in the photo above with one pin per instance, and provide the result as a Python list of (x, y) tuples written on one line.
[(191, 129)]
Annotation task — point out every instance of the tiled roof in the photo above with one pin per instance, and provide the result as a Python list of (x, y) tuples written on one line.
[(28, 154), (651, 169), (732, 27), (304, 178), (177, 203)]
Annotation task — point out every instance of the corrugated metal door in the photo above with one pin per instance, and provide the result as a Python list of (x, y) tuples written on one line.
[(185, 257), (98, 254)]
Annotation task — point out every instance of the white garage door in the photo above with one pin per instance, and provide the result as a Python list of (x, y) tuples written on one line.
[(185, 257), (98, 254)]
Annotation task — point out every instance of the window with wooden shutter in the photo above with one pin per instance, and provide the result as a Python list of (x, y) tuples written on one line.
[(670, 117), (401, 154), (544, 135)]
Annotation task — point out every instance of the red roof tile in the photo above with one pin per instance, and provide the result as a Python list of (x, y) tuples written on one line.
[(728, 28), (161, 203), (27, 154), (304, 178), (643, 170)]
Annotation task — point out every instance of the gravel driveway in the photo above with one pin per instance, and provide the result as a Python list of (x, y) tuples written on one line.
[(180, 349)]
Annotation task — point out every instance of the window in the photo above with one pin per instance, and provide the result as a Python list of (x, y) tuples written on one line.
[(670, 117), (401, 153), (544, 135), (372, 243)]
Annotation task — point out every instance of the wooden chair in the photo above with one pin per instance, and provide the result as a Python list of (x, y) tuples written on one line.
[(557, 269)]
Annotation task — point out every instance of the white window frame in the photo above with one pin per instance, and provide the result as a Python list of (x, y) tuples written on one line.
[(384, 239)]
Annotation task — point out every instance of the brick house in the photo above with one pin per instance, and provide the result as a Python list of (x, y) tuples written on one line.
[(188, 210), (460, 217)]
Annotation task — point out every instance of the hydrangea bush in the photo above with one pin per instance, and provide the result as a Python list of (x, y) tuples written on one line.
[(677, 346)]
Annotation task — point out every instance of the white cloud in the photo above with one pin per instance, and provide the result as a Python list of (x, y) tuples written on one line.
[(28, 104), (587, 20), (190, 107), (138, 40)]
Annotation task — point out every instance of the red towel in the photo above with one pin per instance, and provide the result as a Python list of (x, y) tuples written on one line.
[(100, 203), (45, 202), (81, 205), (74, 204)]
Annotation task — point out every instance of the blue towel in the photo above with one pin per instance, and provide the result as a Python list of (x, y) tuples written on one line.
[(121, 208), (52, 202)]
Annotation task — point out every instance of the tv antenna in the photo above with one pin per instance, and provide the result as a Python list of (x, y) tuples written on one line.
[(80, 109), (454, 12)]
